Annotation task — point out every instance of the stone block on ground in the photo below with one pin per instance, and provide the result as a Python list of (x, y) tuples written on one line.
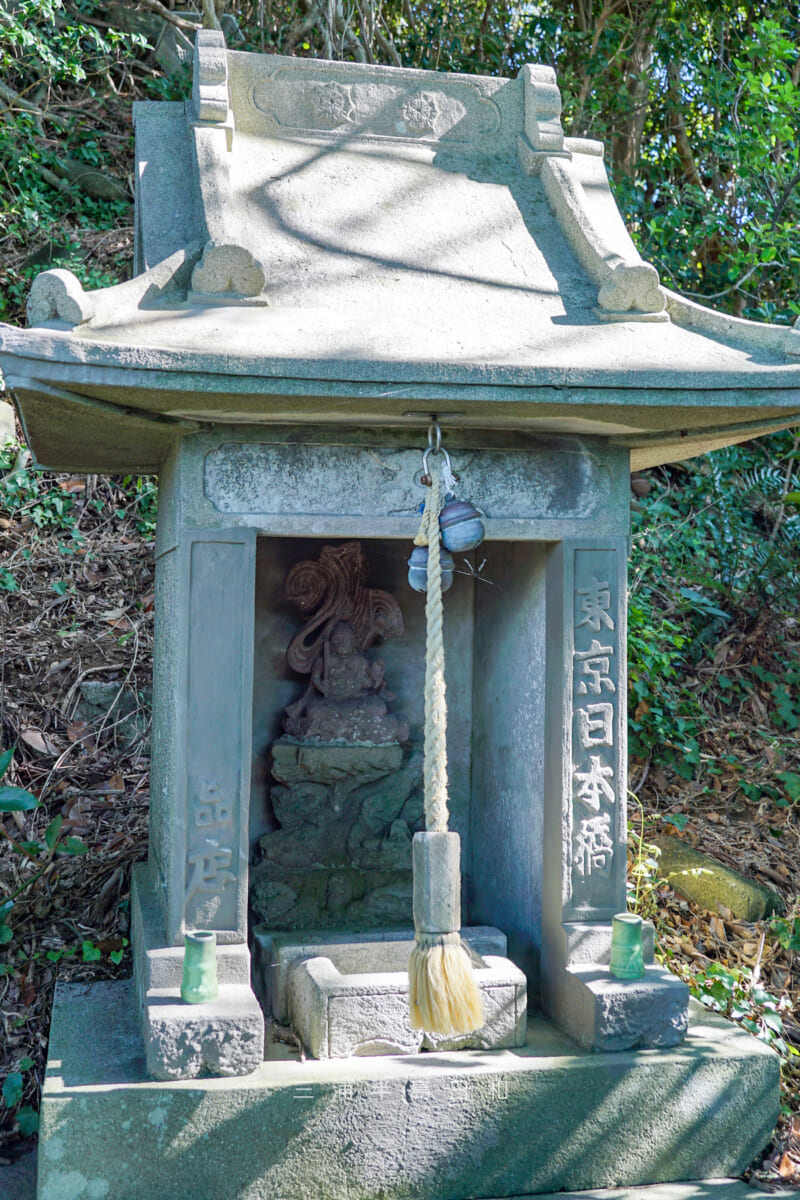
[(181, 1040), (120, 709), (189, 1041), (710, 884), (339, 1015), (275, 952)]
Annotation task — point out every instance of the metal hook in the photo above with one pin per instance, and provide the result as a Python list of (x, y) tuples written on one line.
[(435, 446), (436, 450)]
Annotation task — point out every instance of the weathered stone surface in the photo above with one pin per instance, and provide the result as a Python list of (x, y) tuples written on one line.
[(470, 1124), (632, 286), (346, 697), (228, 270), (57, 295), (710, 884), (298, 762), (159, 967), (8, 429), (275, 953), (342, 1014), (607, 1014), (183, 1041), (188, 1041), (124, 711), (343, 852), (704, 1189)]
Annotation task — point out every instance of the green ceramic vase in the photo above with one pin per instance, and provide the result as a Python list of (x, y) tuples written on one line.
[(199, 984), (627, 957)]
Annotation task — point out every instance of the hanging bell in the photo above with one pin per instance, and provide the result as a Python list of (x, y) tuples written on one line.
[(461, 526), (418, 569)]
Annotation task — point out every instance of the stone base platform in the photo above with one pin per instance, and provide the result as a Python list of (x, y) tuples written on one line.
[(697, 1189), (441, 1126)]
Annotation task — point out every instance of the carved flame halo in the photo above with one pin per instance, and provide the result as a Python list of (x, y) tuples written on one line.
[(334, 587)]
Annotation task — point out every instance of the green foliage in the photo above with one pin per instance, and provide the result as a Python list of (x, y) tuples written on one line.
[(12, 1093), (715, 544), (787, 931), (26, 491), (49, 48), (643, 877), (735, 992), (145, 490), (15, 799)]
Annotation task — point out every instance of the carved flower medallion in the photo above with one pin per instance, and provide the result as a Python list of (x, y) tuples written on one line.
[(420, 112), (334, 103)]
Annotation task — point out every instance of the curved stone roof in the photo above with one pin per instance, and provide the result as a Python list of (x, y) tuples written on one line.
[(324, 241)]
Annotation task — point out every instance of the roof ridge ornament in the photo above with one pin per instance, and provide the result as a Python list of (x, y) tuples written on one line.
[(542, 116), (210, 91), (629, 288), (228, 275), (58, 295), (792, 346)]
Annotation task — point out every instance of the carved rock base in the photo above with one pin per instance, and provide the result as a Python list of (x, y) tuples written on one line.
[(187, 1041), (338, 1012), (342, 854), (607, 1014)]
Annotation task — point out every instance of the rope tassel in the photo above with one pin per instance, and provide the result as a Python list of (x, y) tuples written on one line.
[(443, 995)]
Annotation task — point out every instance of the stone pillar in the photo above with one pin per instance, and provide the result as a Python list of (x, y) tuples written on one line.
[(196, 877), (585, 810), (214, 733)]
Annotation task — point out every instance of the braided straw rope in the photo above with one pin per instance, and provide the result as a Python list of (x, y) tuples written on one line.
[(443, 995), (435, 771)]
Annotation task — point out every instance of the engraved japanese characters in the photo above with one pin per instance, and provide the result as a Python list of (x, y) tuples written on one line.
[(595, 737)]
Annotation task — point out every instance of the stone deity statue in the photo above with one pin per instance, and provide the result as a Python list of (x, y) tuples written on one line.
[(346, 699)]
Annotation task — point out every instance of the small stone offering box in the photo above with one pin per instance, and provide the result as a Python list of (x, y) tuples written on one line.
[(348, 998), (327, 255)]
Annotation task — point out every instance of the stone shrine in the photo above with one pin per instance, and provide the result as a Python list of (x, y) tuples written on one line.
[(327, 255)]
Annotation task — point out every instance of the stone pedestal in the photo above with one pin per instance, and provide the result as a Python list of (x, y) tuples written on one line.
[(444, 1126), (585, 812), (184, 1041)]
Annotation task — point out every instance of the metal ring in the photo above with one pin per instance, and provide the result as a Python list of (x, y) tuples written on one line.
[(434, 430), (436, 450)]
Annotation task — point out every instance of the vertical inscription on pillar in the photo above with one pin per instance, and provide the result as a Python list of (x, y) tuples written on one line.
[(215, 738), (595, 731)]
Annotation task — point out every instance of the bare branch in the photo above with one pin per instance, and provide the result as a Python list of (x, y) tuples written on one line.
[(14, 100), (166, 15)]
